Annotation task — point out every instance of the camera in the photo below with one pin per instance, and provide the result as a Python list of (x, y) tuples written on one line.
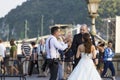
[(56, 60)]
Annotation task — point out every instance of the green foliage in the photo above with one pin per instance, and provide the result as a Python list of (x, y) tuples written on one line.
[(54, 12), (109, 8)]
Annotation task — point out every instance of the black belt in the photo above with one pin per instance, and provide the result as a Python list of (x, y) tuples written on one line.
[(53, 59)]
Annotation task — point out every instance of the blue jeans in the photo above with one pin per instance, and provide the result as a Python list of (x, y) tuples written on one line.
[(60, 71), (108, 64)]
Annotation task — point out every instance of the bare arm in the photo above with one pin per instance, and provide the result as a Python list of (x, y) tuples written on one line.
[(58, 45), (93, 51), (15, 54), (78, 52)]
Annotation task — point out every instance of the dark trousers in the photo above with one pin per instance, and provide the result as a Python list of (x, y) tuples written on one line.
[(75, 62), (53, 66), (32, 64), (108, 64)]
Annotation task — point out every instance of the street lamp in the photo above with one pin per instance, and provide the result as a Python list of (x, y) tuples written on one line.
[(108, 21), (93, 11), (26, 28), (42, 19)]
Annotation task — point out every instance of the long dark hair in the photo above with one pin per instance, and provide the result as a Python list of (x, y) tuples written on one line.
[(12, 42), (87, 42)]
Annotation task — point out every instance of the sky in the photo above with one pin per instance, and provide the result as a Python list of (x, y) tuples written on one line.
[(7, 5)]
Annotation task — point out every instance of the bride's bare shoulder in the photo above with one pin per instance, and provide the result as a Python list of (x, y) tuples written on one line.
[(93, 47)]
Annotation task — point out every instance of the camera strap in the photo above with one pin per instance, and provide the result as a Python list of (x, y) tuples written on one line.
[(49, 46)]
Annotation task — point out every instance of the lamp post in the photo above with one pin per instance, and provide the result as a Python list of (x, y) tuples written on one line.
[(93, 11), (26, 28), (42, 19), (108, 21)]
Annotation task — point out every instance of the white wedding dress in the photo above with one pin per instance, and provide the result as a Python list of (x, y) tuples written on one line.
[(85, 70)]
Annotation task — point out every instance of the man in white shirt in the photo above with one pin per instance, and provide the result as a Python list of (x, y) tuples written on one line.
[(52, 47), (2, 56), (2, 51)]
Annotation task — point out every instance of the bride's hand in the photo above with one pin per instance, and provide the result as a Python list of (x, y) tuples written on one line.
[(96, 61)]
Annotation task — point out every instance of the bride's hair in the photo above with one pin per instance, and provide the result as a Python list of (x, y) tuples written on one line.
[(87, 42)]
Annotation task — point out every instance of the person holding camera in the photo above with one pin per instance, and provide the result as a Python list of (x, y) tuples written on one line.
[(52, 47)]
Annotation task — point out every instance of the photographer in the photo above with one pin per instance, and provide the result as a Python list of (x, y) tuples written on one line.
[(52, 47)]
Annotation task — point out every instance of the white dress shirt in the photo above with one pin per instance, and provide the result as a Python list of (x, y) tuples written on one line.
[(52, 47), (2, 50)]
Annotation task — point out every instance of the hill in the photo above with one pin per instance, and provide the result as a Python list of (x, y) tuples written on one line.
[(50, 11), (37, 13)]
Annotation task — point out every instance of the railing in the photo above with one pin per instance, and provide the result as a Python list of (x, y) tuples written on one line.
[(22, 77), (3, 75), (110, 78)]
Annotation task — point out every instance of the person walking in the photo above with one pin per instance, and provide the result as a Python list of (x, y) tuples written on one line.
[(2, 51), (26, 51), (2, 57), (41, 57), (34, 58), (108, 55), (52, 47), (13, 58)]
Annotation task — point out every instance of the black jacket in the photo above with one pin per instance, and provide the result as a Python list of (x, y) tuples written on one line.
[(77, 40)]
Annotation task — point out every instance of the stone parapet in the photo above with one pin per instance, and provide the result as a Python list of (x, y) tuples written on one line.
[(116, 61)]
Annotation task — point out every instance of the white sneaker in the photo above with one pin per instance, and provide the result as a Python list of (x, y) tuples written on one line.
[(113, 78)]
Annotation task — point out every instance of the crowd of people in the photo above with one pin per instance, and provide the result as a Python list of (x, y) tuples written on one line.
[(65, 58)]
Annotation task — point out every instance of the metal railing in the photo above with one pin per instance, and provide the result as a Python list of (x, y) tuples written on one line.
[(22, 77), (3, 75)]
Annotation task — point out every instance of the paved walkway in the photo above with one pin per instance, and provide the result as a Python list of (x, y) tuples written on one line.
[(35, 77)]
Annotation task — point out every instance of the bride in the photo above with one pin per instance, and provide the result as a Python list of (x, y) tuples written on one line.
[(85, 70)]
